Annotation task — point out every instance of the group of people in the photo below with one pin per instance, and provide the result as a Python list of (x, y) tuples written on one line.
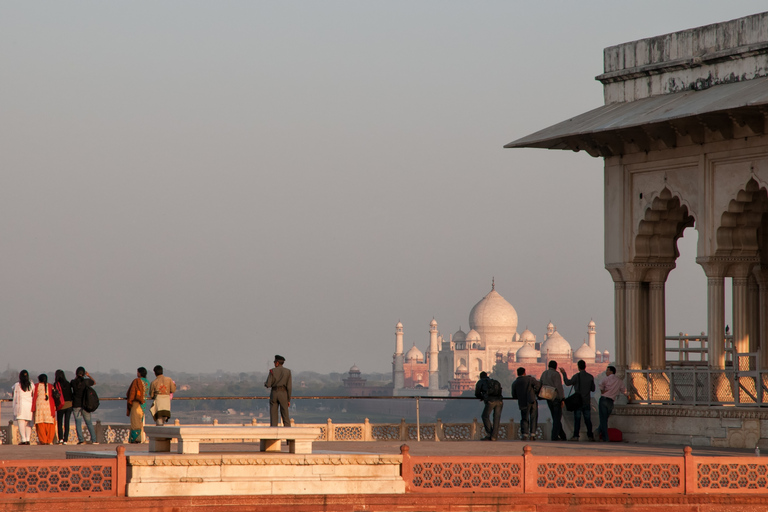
[(50, 406), (161, 391), (526, 389)]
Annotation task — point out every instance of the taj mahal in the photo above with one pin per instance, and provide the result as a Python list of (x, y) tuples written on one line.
[(451, 366)]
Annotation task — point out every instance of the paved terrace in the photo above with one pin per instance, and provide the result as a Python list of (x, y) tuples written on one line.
[(424, 448)]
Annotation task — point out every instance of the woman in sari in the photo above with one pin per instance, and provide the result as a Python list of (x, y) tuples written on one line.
[(22, 406), (45, 410), (135, 398)]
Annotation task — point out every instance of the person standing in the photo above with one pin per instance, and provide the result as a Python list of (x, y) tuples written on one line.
[(45, 410), (22, 406), (584, 384), (63, 410), (79, 386), (160, 391), (550, 377), (489, 391), (279, 382), (145, 405), (524, 389), (610, 387), (135, 402)]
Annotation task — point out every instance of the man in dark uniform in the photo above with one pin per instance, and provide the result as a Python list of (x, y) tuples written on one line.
[(279, 380)]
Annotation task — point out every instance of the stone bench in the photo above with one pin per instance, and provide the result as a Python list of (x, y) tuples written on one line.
[(299, 438)]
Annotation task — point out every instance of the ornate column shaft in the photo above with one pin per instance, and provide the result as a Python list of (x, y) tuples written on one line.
[(753, 302), (634, 328), (619, 319), (740, 315), (716, 322), (657, 324), (761, 276)]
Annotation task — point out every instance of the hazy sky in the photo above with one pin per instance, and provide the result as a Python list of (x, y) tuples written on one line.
[(205, 184)]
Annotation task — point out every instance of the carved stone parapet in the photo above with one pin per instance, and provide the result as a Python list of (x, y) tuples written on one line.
[(271, 460), (691, 412)]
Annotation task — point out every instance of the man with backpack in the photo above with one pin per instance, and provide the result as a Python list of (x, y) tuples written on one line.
[(489, 391), (525, 389), (80, 391)]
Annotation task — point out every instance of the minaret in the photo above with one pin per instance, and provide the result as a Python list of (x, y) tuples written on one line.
[(398, 377), (434, 383), (591, 334)]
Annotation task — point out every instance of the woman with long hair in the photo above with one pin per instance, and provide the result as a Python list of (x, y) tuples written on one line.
[(45, 410), (64, 408), (22, 406)]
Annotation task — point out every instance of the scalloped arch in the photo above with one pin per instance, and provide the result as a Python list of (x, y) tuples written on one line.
[(743, 230), (663, 223)]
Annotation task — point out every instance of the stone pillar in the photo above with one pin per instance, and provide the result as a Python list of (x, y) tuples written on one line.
[(716, 322), (657, 325), (761, 276), (635, 307), (740, 315), (620, 335), (634, 328), (753, 301)]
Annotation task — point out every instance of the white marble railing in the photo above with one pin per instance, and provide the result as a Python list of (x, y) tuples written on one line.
[(366, 431)]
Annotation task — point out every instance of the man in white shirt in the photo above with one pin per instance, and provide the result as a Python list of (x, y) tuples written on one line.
[(610, 387)]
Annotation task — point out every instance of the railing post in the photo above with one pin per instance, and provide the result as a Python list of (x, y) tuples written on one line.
[(511, 432), (100, 437), (13, 430), (689, 469), (473, 430), (529, 472), (329, 433), (406, 470), (367, 436), (254, 422), (403, 430), (439, 430), (120, 472), (176, 422), (215, 421)]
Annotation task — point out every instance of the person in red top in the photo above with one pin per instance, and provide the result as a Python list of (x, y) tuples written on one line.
[(45, 410)]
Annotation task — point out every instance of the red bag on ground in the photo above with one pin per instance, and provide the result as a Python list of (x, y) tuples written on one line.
[(614, 435)]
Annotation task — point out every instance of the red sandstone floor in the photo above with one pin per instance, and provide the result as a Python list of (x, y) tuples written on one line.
[(446, 448)]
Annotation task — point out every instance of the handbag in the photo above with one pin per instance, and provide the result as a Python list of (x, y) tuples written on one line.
[(574, 401), (547, 392)]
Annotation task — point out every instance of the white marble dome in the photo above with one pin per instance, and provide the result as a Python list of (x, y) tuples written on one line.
[(399, 325), (354, 369), (527, 336), (555, 345), (414, 354), (473, 336), (526, 354), (584, 352), (459, 336), (462, 369), (494, 318)]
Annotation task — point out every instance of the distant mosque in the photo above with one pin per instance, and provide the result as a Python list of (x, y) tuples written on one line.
[(452, 366)]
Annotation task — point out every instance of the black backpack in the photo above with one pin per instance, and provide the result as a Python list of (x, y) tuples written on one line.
[(494, 388), (90, 399)]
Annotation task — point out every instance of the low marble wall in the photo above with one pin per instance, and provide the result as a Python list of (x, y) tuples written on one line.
[(696, 426), (263, 474)]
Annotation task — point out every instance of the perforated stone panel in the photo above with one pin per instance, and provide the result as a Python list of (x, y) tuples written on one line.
[(385, 432), (348, 432), (57, 480), (427, 432), (572, 475), (457, 431), (472, 476), (730, 477)]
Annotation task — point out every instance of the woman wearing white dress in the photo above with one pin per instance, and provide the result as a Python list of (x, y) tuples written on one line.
[(22, 406)]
